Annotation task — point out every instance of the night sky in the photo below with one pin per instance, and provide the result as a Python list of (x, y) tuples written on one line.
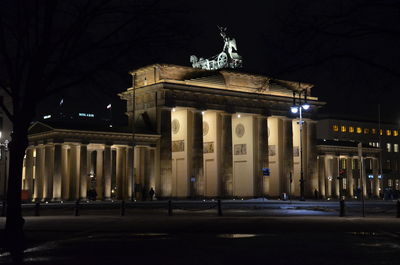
[(348, 49)]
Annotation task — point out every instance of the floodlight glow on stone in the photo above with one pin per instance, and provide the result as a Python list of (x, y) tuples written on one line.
[(202, 113), (238, 116), (173, 109)]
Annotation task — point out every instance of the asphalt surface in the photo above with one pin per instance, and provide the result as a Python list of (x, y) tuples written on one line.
[(247, 233)]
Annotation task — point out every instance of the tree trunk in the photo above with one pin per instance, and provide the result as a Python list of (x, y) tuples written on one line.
[(14, 224)]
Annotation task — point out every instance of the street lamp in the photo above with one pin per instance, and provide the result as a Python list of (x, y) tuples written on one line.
[(4, 146), (298, 107)]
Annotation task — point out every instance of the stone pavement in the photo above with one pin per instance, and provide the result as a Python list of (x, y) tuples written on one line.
[(206, 238)]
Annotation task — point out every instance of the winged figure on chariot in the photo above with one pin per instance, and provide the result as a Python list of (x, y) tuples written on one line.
[(228, 58)]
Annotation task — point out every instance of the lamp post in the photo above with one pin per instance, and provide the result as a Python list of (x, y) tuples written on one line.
[(298, 108), (4, 146)]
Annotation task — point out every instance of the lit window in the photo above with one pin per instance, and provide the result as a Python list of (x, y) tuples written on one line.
[(390, 182), (351, 129), (380, 131), (335, 128), (373, 131), (389, 147), (395, 133), (388, 164), (377, 144), (343, 128), (388, 132), (359, 130), (397, 184), (396, 148), (366, 131)]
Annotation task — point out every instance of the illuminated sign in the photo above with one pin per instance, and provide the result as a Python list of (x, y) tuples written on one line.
[(90, 115)]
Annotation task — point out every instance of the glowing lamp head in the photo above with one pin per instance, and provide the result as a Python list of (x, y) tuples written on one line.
[(294, 109), (305, 106), (238, 116)]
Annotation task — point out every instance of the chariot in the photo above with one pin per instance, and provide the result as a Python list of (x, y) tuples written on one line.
[(228, 58)]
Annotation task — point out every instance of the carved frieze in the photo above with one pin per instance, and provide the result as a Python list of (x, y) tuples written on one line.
[(296, 151), (178, 146), (208, 147), (271, 150), (240, 149)]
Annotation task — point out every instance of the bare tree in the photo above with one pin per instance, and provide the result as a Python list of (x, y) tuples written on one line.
[(353, 43), (49, 45)]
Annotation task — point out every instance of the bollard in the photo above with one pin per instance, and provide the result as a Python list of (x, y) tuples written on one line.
[(342, 208), (398, 209), (37, 209), (76, 212), (219, 208), (122, 208), (170, 208)]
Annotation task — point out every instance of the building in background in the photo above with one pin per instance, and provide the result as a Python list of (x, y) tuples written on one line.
[(381, 146)]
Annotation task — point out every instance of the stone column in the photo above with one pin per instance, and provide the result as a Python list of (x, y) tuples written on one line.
[(29, 171), (107, 172), (350, 179), (148, 167), (197, 152), (74, 173), (164, 124), (321, 176), (99, 175), (226, 154), (286, 160), (120, 172), (364, 182), (83, 172), (49, 172), (311, 162), (39, 172), (375, 169), (328, 176), (65, 171), (151, 167), (262, 147), (335, 179), (57, 173), (129, 173)]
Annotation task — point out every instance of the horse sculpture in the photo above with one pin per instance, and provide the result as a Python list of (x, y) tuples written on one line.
[(228, 58)]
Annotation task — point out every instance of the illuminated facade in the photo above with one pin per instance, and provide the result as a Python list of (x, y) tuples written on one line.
[(199, 133), (381, 144)]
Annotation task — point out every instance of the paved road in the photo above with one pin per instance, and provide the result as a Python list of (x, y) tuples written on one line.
[(241, 236)]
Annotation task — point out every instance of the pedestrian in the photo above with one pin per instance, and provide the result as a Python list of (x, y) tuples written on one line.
[(316, 194), (151, 193)]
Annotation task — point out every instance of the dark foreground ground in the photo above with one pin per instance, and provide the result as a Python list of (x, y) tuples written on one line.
[(251, 235)]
